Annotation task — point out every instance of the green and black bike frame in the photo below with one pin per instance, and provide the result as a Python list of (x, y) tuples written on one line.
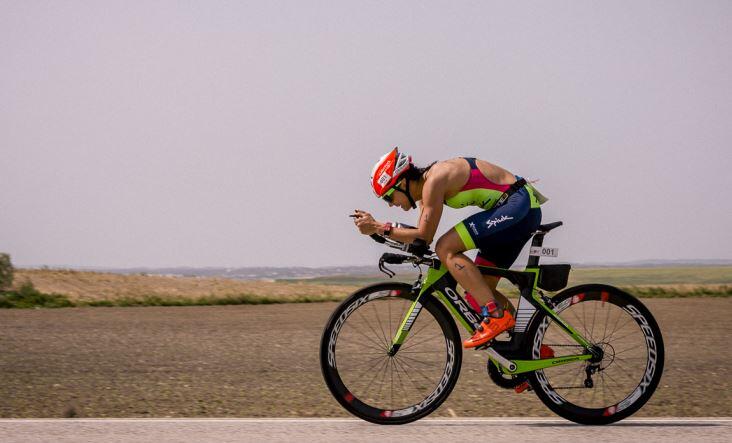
[(511, 356)]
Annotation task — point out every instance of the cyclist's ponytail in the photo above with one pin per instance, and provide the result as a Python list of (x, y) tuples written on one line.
[(415, 172)]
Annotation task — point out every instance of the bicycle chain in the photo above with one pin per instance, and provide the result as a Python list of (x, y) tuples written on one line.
[(568, 387)]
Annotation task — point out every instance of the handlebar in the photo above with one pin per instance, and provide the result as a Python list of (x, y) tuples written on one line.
[(378, 238), (418, 247), (418, 250)]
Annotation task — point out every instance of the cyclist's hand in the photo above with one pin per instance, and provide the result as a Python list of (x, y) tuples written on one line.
[(365, 222)]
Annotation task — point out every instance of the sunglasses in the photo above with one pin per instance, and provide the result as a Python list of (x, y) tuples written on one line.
[(389, 196)]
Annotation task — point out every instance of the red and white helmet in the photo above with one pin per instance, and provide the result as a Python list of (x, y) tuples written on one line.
[(388, 170)]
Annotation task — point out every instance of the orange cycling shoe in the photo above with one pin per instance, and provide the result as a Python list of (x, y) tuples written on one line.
[(489, 329)]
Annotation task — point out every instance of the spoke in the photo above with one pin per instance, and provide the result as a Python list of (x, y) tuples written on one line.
[(604, 398), (419, 372), (391, 378), (580, 374), (406, 374), (627, 321), (381, 328), (626, 372), (559, 332), (379, 346), (607, 318), (634, 331), (594, 312), (414, 334), (642, 345), (359, 366), (584, 317), (615, 325), (615, 381), (439, 334), (388, 306), (592, 399), (399, 379), (372, 329), (583, 322), (383, 378), (380, 352), (376, 374), (419, 361), (370, 368), (402, 351), (555, 332)]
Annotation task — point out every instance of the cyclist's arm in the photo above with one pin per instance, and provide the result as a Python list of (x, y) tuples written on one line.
[(433, 193)]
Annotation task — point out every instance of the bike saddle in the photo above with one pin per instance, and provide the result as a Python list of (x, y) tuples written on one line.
[(549, 226)]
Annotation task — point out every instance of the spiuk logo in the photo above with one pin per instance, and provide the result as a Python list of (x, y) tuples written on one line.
[(473, 228), (495, 221)]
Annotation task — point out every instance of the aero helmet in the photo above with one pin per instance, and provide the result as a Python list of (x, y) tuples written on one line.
[(388, 170)]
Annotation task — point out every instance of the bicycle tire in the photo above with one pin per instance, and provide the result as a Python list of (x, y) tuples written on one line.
[(341, 350), (640, 343)]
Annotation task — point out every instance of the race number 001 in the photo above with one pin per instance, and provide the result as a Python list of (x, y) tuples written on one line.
[(544, 252)]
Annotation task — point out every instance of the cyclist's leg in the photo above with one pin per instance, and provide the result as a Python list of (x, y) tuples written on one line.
[(449, 249), (478, 231), (492, 282)]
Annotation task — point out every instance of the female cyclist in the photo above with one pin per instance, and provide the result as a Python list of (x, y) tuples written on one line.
[(510, 215)]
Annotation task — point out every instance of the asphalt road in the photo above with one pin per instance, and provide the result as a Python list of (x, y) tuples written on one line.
[(337, 430)]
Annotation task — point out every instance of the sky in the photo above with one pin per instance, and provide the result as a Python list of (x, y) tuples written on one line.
[(236, 133)]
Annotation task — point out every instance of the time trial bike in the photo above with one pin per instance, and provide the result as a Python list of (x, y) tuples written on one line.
[(391, 352)]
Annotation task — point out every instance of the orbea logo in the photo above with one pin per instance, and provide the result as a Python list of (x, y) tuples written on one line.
[(495, 221)]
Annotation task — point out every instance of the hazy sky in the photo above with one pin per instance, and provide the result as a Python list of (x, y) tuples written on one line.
[(166, 133)]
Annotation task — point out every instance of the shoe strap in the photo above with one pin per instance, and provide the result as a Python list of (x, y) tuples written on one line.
[(489, 309)]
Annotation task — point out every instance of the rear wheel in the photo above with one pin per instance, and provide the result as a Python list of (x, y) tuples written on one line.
[(370, 383), (609, 389)]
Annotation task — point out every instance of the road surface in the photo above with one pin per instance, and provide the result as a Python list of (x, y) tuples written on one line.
[(352, 430)]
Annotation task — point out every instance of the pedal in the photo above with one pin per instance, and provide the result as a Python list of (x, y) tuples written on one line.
[(521, 387), (485, 345)]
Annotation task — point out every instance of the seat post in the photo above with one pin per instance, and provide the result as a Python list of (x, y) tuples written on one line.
[(538, 241)]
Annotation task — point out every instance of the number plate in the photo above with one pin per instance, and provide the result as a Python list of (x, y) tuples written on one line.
[(544, 252)]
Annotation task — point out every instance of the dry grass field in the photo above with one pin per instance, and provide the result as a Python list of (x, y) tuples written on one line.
[(84, 286)]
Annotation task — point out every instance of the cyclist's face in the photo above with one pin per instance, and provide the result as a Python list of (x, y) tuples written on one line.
[(398, 198)]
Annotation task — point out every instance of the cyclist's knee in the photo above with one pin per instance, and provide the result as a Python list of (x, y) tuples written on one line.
[(441, 249), (446, 247)]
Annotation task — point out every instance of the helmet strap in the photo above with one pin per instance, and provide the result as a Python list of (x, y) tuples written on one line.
[(406, 192), (409, 196)]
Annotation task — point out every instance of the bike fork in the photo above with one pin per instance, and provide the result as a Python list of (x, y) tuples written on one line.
[(405, 327)]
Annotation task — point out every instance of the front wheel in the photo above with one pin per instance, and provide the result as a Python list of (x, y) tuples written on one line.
[(611, 388), (375, 386)]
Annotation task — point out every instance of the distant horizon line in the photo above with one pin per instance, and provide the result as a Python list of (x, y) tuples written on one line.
[(633, 263)]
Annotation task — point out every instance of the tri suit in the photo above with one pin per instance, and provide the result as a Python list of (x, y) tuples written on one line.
[(501, 230)]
